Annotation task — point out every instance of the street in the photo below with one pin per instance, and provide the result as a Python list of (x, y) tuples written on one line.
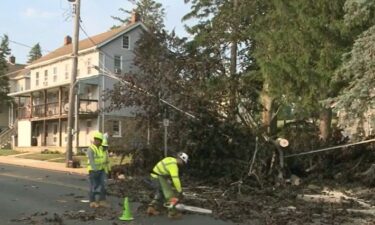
[(35, 196)]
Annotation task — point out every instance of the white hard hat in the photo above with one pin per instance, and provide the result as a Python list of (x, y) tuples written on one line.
[(183, 156)]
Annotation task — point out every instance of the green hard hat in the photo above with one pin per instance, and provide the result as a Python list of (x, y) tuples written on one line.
[(105, 142), (97, 135)]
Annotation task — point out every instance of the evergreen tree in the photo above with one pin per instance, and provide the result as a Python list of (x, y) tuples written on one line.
[(35, 53), (357, 73), (298, 48), (150, 12), (219, 35), (4, 84)]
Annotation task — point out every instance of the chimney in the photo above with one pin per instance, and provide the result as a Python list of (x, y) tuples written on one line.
[(134, 18), (67, 40), (12, 59)]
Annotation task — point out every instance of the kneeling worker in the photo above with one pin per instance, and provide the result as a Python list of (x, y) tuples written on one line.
[(164, 170)]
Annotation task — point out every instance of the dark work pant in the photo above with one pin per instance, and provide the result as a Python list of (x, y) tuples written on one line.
[(97, 185), (163, 190)]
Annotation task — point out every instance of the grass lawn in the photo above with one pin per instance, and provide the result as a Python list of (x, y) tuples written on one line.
[(5, 152), (60, 158), (43, 157), (114, 160)]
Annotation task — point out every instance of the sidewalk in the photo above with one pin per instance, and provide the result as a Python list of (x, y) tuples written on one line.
[(14, 160)]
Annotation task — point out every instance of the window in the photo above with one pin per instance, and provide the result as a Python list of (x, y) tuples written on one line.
[(37, 79), (66, 71), (125, 41), (116, 128), (45, 83), (54, 74), (117, 64), (88, 65)]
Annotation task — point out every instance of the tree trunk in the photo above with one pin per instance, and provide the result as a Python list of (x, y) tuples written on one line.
[(325, 124), (233, 71), (269, 120)]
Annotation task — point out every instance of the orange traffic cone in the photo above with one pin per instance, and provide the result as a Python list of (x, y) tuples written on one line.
[(126, 214)]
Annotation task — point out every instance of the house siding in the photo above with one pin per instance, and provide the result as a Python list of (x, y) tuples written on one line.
[(48, 93)]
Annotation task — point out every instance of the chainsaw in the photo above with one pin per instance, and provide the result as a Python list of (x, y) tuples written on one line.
[(174, 204)]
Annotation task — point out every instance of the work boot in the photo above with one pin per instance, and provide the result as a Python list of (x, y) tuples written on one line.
[(94, 205), (151, 211), (174, 215), (104, 204)]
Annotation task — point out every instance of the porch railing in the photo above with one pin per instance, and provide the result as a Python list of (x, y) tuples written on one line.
[(86, 106)]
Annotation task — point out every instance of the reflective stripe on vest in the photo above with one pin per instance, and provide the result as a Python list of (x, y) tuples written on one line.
[(99, 157), (162, 168), (168, 167)]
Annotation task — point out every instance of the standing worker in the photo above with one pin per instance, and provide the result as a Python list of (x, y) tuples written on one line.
[(95, 166), (107, 166), (165, 170)]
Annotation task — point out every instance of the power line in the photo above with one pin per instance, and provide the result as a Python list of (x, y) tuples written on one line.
[(133, 86), (329, 148), (25, 45), (94, 43)]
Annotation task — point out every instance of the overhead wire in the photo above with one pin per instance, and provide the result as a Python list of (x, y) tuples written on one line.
[(25, 45), (109, 73)]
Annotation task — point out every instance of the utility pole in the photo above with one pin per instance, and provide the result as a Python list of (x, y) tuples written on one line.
[(166, 124), (72, 90)]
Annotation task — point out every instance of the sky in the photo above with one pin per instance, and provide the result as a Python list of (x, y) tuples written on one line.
[(47, 22)]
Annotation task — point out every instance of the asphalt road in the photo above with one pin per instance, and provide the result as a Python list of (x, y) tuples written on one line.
[(35, 196)]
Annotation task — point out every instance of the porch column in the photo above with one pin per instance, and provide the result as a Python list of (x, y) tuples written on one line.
[(44, 133), (45, 103), (60, 132), (60, 101), (31, 105), (18, 108), (76, 121)]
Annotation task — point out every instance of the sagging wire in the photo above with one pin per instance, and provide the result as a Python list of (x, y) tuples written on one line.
[(329, 148), (108, 73)]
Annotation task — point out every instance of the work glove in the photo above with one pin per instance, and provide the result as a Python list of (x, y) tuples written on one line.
[(173, 201)]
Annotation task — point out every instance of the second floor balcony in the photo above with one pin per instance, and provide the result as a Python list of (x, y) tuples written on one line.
[(55, 109)]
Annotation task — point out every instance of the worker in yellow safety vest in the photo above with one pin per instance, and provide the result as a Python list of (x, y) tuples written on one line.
[(107, 166), (96, 168), (165, 170)]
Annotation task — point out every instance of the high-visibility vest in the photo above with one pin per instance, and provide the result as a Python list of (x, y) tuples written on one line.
[(107, 166), (168, 167), (99, 158)]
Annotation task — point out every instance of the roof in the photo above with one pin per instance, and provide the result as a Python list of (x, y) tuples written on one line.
[(87, 43), (19, 74), (14, 67)]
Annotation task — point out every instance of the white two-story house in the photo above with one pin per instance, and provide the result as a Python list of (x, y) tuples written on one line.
[(41, 111)]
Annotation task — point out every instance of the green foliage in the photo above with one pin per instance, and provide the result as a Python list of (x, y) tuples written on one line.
[(151, 13), (4, 80), (221, 150), (356, 76), (35, 53), (293, 47), (298, 47), (359, 14)]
